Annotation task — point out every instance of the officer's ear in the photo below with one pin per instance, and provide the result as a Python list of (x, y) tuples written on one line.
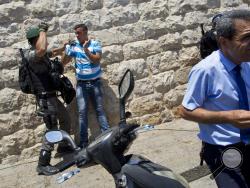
[(32, 41), (223, 42)]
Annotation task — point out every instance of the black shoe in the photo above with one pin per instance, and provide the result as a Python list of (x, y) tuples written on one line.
[(82, 146), (64, 149), (46, 170)]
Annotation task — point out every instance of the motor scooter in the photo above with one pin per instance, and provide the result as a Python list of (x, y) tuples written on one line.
[(128, 171)]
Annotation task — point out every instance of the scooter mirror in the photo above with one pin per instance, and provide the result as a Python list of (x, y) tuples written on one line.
[(54, 136), (125, 88), (126, 85)]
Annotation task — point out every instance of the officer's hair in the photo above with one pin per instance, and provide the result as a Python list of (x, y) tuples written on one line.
[(225, 25), (83, 26)]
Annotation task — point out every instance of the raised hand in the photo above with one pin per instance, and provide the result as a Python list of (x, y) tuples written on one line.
[(43, 26), (86, 43)]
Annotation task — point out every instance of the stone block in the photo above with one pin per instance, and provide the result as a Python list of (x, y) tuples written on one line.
[(164, 61), (39, 132), (139, 1), (175, 23), (11, 159), (115, 3), (130, 33), (190, 37), (214, 4), (5, 128), (30, 152), (154, 28), (10, 77), (13, 12), (189, 56), (146, 105), (143, 87), (111, 73), (9, 58), (171, 41), (63, 7), (123, 15), (14, 144), (169, 61), (150, 119), (230, 3), (179, 7), (181, 75), (7, 39), (112, 54), (166, 116), (175, 96), (153, 9), (141, 49), (68, 21), (4, 1), (42, 9), (192, 20), (9, 100), (92, 4), (137, 66), (107, 36), (153, 63), (163, 82), (246, 1), (96, 19)]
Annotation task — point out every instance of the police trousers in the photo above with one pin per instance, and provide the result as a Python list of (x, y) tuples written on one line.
[(226, 174), (55, 116)]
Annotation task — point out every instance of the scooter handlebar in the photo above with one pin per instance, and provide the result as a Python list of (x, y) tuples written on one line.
[(128, 132), (143, 128), (129, 128)]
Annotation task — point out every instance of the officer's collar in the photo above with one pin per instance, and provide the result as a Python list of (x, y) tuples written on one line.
[(229, 65)]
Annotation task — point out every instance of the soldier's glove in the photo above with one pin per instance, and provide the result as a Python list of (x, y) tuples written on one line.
[(43, 26)]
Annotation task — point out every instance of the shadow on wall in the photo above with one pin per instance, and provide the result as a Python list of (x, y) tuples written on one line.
[(111, 108)]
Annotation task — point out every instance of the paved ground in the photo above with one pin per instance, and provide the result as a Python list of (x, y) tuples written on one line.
[(174, 145)]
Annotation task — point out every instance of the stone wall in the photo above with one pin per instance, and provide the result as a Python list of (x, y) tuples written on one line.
[(157, 39)]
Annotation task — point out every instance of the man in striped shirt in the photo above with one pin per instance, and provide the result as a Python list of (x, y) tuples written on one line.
[(87, 55)]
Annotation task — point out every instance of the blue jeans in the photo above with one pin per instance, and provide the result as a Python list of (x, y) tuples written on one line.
[(86, 90)]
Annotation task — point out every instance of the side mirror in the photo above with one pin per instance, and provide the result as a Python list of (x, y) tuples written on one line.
[(126, 85), (125, 88), (56, 136)]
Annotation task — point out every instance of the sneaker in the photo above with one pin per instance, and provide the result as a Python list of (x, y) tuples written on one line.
[(46, 170)]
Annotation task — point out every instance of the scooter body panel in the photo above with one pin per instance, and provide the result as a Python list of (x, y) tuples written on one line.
[(144, 173)]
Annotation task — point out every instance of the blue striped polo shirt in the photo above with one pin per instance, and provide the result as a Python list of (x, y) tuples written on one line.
[(85, 69)]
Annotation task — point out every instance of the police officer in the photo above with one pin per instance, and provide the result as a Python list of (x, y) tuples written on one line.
[(217, 98), (208, 43), (51, 108)]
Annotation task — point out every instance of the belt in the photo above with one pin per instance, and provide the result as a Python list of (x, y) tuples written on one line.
[(237, 145), (88, 81), (45, 95)]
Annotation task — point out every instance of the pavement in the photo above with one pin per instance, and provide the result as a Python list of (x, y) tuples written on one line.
[(174, 145)]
